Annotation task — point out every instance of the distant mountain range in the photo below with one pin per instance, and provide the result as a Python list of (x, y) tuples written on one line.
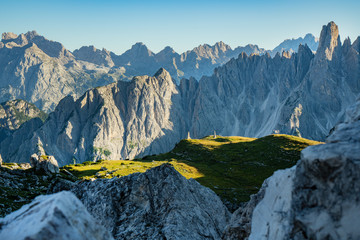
[(43, 72), (301, 94)]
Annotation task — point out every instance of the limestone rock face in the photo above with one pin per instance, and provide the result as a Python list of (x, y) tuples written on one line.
[(329, 41), (157, 204), (316, 199), (199, 61), (118, 121), (301, 94), (48, 164), (58, 216), (326, 187), (17, 137), (14, 113), (42, 72)]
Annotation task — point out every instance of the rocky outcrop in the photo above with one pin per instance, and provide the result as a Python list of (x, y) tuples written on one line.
[(239, 226), (16, 112), (19, 185), (17, 137), (157, 204), (325, 201), (47, 164), (57, 216), (316, 199)]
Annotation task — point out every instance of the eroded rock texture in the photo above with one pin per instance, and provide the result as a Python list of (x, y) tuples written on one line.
[(58, 216), (157, 204)]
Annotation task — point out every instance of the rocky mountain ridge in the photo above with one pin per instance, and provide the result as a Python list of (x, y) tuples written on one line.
[(43, 72), (303, 94), (199, 61)]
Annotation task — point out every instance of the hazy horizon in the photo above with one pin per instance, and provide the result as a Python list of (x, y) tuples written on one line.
[(117, 25)]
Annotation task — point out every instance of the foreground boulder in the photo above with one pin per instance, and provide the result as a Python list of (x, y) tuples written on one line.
[(317, 199), (157, 204), (47, 164), (58, 216)]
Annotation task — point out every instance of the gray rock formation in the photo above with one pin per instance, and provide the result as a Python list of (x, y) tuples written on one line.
[(239, 226), (157, 204), (121, 120), (202, 60), (300, 94), (58, 216), (325, 200), (42, 72), (316, 199), (19, 185), (26, 131), (93, 55), (14, 113), (47, 164), (292, 45)]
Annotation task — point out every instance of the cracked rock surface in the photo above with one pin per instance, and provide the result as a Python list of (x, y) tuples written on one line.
[(157, 204)]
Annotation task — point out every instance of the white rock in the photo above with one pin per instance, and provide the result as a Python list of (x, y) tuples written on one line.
[(57, 216), (274, 208)]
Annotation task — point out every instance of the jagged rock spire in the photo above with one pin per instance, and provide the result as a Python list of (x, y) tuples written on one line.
[(329, 41)]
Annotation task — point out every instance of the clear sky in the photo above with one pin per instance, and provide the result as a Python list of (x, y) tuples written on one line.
[(182, 24)]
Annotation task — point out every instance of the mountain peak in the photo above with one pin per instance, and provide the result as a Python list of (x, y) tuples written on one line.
[(8, 36), (139, 49), (92, 48), (310, 36), (168, 49), (138, 45), (329, 40), (356, 44), (221, 45), (31, 34), (162, 73)]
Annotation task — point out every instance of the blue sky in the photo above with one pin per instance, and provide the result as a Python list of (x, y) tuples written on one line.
[(183, 25)]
